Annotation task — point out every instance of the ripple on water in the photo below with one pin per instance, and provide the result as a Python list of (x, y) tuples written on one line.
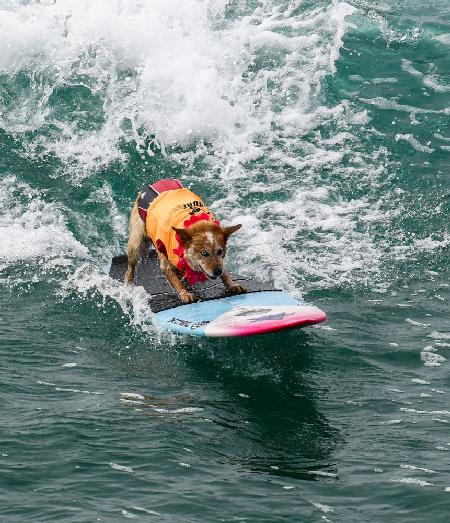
[(322, 507), (132, 396), (436, 335), (432, 412), (121, 468), (413, 481), (66, 389), (414, 467)]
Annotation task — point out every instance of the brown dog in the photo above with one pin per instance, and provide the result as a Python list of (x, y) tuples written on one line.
[(188, 239)]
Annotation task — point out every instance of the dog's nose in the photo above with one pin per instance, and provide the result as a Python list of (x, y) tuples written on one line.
[(217, 272)]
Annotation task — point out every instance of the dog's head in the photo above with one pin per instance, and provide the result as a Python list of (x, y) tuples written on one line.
[(205, 245)]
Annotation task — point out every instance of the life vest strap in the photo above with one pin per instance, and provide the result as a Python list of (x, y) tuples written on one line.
[(150, 192)]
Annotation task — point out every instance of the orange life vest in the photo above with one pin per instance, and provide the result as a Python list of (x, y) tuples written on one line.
[(178, 208)]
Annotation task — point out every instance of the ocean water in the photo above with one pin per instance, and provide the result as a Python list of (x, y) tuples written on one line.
[(322, 127)]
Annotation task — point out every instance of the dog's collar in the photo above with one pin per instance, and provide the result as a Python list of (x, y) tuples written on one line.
[(190, 276)]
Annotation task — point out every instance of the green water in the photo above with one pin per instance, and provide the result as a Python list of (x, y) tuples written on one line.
[(322, 127)]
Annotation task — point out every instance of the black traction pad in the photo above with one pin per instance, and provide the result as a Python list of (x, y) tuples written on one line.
[(161, 295)]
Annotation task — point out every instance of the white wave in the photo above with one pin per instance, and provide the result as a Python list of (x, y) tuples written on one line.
[(415, 144), (443, 38), (432, 243), (413, 481), (335, 254), (183, 74), (433, 83), (323, 473), (322, 507), (384, 80), (182, 410), (416, 323), (163, 65), (436, 335), (128, 515), (146, 511), (420, 469), (31, 228), (339, 12), (121, 468), (408, 67), (389, 31), (86, 280), (79, 391), (132, 396), (104, 197), (441, 137), (63, 389), (430, 357), (435, 412), (384, 103), (430, 80)]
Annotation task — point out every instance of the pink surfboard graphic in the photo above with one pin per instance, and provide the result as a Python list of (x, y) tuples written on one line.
[(251, 320)]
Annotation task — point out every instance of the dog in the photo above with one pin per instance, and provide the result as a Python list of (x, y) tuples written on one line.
[(190, 242)]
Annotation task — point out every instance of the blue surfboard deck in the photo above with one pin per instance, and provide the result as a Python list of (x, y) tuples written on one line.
[(261, 310)]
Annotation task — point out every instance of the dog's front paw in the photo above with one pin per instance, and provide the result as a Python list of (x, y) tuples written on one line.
[(187, 297), (236, 289)]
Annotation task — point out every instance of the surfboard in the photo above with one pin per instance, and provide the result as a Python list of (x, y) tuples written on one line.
[(261, 310)]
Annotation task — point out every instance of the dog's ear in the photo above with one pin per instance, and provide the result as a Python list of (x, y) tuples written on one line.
[(227, 231), (184, 235)]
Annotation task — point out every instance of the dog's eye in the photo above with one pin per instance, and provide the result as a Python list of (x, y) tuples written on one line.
[(219, 252), (204, 253)]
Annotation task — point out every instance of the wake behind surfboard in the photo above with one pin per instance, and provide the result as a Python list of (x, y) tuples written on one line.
[(261, 310)]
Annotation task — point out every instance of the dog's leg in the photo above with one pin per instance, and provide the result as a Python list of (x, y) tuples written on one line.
[(172, 277), (136, 241), (232, 286)]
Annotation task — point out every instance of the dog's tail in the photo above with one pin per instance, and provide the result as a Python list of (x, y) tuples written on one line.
[(137, 240), (136, 225)]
